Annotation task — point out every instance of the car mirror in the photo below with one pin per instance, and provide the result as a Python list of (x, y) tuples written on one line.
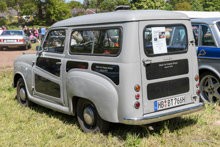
[(38, 48)]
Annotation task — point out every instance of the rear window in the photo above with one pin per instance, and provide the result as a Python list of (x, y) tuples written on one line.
[(218, 24), (12, 33), (96, 41), (165, 40)]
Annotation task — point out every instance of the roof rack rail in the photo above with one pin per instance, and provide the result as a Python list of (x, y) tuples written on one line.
[(122, 7)]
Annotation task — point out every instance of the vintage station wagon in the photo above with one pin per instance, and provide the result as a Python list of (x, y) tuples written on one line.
[(130, 67)]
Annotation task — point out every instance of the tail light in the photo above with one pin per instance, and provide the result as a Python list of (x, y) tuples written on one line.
[(137, 96), (198, 92), (196, 77), (1, 40), (197, 85), (137, 88), (137, 105), (20, 40)]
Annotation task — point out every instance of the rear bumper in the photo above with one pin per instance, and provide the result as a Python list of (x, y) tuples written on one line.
[(164, 115), (12, 44)]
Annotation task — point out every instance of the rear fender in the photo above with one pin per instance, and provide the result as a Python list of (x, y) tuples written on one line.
[(97, 89)]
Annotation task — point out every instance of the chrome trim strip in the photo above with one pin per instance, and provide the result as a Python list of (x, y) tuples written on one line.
[(162, 116)]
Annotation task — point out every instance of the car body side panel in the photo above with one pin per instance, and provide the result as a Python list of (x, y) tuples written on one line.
[(96, 89)]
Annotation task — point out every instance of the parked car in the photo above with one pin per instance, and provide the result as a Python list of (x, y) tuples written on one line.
[(137, 76), (14, 39), (207, 40)]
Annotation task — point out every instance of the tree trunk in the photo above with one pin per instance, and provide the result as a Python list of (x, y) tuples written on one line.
[(19, 13)]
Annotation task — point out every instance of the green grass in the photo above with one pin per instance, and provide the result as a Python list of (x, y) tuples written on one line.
[(39, 126), (33, 46)]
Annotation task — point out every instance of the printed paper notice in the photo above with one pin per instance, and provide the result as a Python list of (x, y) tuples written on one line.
[(159, 40)]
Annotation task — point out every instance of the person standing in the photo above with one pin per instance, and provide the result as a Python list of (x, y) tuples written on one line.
[(43, 30), (28, 32), (39, 33)]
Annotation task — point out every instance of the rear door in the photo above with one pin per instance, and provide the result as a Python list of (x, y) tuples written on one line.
[(166, 64)]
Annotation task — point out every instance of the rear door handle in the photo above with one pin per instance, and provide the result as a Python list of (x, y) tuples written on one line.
[(146, 61), (59, 63)]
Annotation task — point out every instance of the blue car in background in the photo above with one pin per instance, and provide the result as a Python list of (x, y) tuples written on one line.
[(206, 32)]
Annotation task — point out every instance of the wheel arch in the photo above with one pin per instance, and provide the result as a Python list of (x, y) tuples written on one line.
[(17, 76), (208, 69), (95, 88)]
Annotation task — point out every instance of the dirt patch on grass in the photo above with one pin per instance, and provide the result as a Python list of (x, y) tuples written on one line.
[(8, 56), (217, 123)]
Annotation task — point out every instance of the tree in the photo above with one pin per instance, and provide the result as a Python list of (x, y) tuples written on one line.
[(211, 5), (3, 6), (184, 6), (74, 4), (168, 6), (196, 6), (109, 5), (147, 4)]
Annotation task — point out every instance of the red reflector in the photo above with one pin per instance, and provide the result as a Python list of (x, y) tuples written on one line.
[(137, 105), (197, 85), (137, 96), (198, 92)]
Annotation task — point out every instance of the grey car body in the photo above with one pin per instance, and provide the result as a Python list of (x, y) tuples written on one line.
[(120, 82), (14, 39), (207, 38)]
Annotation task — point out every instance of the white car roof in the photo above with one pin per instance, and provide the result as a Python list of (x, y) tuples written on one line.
[(200, 14), (121, 16)]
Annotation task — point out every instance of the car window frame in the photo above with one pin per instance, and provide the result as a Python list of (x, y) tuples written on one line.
[(45, 37), (97, 28), (166, 25), (211, 34)]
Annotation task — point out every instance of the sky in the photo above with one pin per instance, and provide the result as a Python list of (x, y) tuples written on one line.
[(81, 1)]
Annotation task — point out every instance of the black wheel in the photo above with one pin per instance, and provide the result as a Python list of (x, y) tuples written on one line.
[(26, 47), (210, 87), (22, 94), (89, 119), (29, 46)]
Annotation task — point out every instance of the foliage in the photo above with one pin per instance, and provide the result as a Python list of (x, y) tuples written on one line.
[(196, 6), (168, 6), (211, 5), (109, 5), (74, 4), (3, 6), (147, 4), (3, 21), (184, 6)]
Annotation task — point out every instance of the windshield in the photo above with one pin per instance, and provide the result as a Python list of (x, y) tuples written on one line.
[(11, 33)]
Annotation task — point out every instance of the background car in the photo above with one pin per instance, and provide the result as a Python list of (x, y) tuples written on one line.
[(14, 39)]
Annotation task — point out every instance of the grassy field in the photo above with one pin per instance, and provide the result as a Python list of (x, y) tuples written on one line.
[(39, 126)]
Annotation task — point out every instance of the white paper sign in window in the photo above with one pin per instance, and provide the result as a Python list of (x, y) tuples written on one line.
[(159, 40)]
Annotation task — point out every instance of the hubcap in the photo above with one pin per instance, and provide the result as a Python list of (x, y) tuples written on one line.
[(210, 88), (22, 94), (89, 115)]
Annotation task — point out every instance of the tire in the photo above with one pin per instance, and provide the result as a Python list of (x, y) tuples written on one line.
[(26, 47), (209, 87), (29, 46), (22, 94), (95, 125)]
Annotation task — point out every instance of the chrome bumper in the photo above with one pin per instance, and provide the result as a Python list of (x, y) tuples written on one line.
[(163, 115)]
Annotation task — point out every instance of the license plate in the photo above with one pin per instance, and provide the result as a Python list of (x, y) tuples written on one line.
[(9, 40), (167, 103)]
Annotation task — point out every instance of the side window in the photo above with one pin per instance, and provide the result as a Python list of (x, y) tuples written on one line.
[(165, 40), (206, 37), (96, 41), (54, 42), (195, 29)]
